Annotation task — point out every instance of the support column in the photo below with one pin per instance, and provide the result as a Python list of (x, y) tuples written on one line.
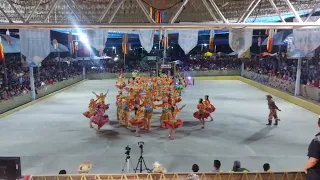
[(297, 86), (242, 69), (83, 73), (33, 89)]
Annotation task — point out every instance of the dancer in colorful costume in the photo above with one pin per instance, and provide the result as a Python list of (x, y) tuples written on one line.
[(91, 112), (101, 99), (201, 114), (124, 112), (165, 111), (99, 118), (173, 123), (209, 107), (273, 108), (120, 84), (148, 112), (138, 121)]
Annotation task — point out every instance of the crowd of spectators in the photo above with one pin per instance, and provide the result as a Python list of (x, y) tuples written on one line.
[(286, 70), (17, 81)]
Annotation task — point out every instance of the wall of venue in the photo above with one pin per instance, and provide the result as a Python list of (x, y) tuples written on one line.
[(26, 98), (99, 76)]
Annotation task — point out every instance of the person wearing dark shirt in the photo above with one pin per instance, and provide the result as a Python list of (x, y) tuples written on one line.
[(312, 167)]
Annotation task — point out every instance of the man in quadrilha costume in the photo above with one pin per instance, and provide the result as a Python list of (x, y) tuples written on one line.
[(273, 108), (138, 120)]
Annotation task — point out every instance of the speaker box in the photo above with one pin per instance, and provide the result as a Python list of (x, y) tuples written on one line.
[(10, 168)]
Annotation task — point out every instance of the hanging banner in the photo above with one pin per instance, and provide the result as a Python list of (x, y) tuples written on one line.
[(188, 39), (146, 39), (306, 40), (98, 39), (240, 40), (35, 45), (293, 52)]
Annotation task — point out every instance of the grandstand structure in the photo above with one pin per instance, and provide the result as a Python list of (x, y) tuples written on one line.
[(135, 14)]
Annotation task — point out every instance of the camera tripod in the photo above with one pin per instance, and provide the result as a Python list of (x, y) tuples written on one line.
[(127, 162), (141, 162)]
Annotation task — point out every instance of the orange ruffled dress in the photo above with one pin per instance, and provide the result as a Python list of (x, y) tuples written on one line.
[(173, 123), (138, 120), (201, 113), (209, 107)]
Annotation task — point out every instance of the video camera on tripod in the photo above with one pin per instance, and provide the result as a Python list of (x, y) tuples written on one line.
[(128, 149)]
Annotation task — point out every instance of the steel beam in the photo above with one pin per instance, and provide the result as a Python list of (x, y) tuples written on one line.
[(115, 11), (105, 11), (252, 9), (296, 15), (174, 18), (165, 26), (80, 11), (50, 10), (210, 10), (312, 12), (277, 11), (6, 15), (145, 11), (15, 10), (218, 11), (72, 10), (246, 11), (33, 11)]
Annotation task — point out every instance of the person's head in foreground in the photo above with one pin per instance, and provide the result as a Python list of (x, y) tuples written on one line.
[(63, 172), (266, 167), (216, 164), (195, 168)]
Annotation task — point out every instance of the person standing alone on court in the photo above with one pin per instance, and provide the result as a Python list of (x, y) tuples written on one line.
[(312, 167), (273, 108)]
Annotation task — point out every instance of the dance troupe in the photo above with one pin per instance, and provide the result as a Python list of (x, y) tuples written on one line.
[(144, 95)]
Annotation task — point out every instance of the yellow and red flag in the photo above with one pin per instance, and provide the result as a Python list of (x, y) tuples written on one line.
[(125, 45)]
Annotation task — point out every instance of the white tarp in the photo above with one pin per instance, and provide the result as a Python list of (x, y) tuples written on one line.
[(35, 45), (97, 39), (188, 39), (146, 39), (307, 40), (240, 40)]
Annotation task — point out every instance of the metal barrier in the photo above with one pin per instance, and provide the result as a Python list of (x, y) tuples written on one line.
[(177, 176)]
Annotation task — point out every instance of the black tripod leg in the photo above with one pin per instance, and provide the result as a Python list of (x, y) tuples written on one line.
[(137, 165), (145, 165), (125, 162)]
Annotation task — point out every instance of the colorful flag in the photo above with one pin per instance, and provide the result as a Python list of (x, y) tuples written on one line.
[(165, 40), (270, 33), (125, 46), (211, 40), (1, 50)]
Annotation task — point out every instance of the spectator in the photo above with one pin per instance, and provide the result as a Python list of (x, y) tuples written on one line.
[(266, 167), (195, 168), (237, 167), (312, 167), (63, 172), (193, 176), (216, 166)]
